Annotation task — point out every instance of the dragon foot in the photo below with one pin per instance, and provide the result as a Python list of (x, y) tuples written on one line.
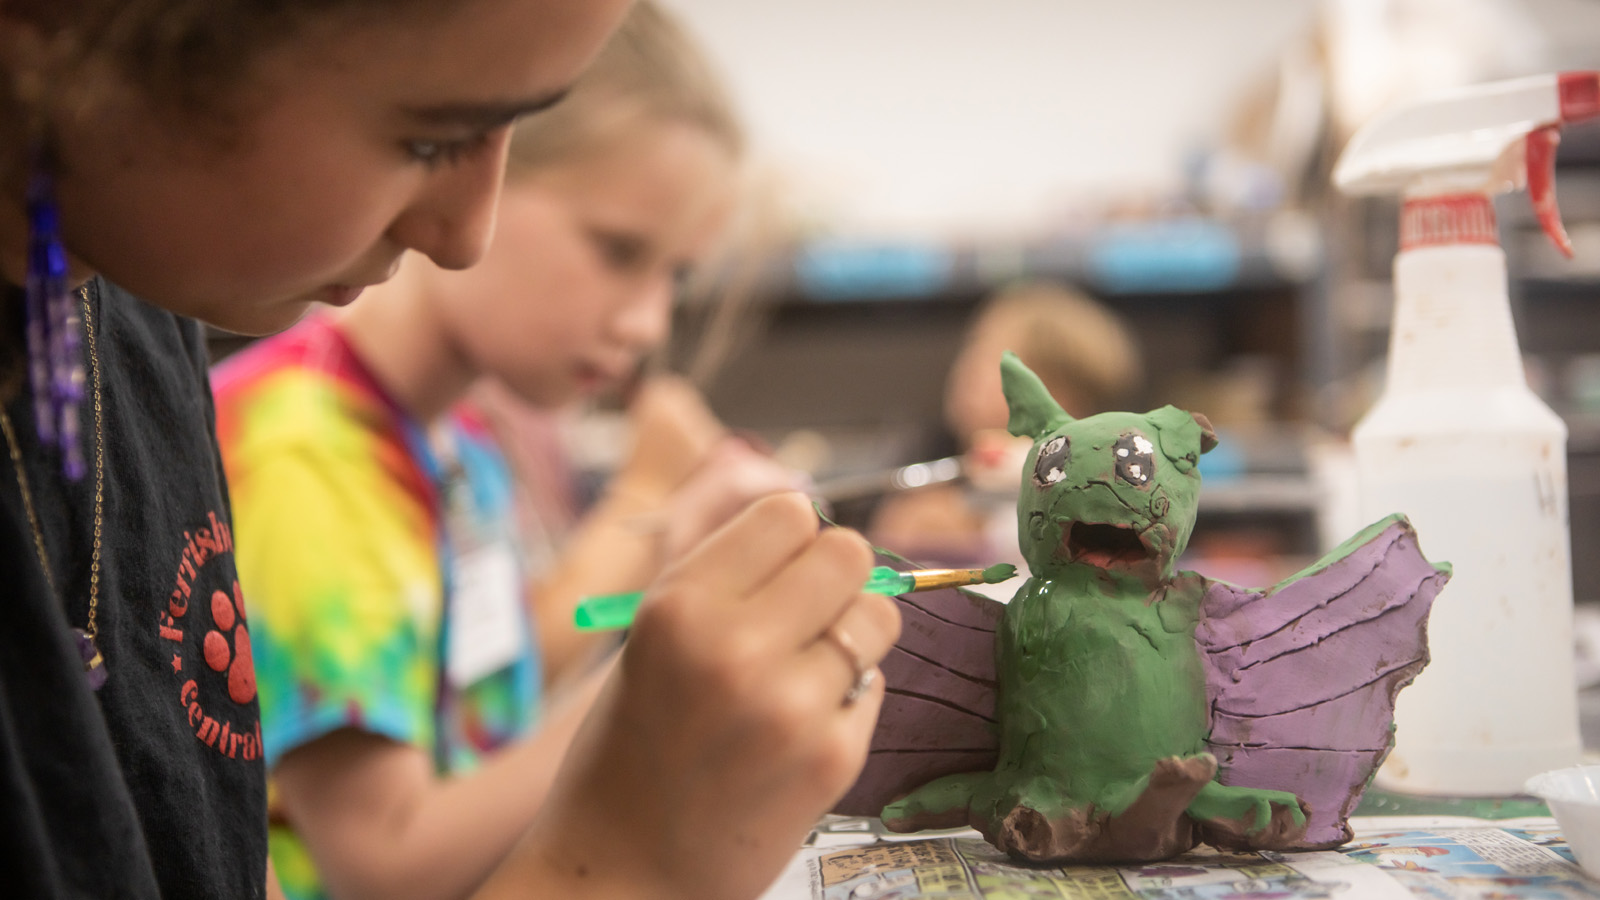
[(1151, 827), (941, 803), (1238, 818)]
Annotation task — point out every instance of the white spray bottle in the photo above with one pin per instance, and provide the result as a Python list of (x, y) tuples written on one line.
[(1460, 444)]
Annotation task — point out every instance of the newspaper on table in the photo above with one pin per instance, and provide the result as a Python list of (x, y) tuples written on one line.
[(1391, 858)]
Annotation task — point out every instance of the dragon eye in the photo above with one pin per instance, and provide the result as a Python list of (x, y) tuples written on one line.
[(1052, 464), (1136, 459)]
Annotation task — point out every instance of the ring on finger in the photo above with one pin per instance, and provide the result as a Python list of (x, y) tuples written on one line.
[(860, 687), (864, 676)]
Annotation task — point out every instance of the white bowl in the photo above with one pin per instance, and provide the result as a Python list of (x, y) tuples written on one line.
[(1573, 795)]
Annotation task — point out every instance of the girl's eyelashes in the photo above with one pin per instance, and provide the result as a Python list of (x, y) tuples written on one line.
[(434, 154)]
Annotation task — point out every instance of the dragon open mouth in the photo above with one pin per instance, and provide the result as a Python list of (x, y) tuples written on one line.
[(1105, 546)]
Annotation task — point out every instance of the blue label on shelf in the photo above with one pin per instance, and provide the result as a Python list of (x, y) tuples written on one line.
[(837, 270), (1163, 257)]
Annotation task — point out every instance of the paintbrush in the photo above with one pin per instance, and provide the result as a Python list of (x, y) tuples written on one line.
[(607, 612)]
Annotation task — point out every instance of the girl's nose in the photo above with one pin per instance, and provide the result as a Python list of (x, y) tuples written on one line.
[(453, 219), (646, 321)]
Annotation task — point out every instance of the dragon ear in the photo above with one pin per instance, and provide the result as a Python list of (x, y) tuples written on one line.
[(1033, 411), (1184, 436), (1208, 435)]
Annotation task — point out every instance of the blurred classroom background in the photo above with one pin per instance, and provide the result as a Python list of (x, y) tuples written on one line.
[(1168, 158)]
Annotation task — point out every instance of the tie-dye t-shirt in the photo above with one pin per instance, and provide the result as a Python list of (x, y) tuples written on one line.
[(343, 510)]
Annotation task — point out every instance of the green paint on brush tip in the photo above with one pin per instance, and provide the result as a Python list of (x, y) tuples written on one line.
[(998, 572)]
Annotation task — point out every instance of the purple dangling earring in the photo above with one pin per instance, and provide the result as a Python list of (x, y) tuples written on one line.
[(55, 357)]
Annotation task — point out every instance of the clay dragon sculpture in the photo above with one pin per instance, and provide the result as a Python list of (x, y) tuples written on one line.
[(1118, 710)]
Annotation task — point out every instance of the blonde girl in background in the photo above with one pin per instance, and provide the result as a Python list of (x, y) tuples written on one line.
[(615, 198), (376, 527), (237, 161)]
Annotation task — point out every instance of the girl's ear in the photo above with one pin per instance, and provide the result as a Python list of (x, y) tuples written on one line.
[(37, 70), (24, 56), (1034, 412)]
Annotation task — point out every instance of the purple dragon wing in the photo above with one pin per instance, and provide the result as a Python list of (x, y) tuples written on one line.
[(938, 714), (1301, 677)]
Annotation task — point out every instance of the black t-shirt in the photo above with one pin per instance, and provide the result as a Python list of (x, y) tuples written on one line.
[(153, 786)]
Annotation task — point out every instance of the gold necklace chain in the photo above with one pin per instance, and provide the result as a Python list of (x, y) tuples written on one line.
[(15, 447)]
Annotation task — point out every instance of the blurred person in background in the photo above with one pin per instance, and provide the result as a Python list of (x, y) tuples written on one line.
[(1085, 356)]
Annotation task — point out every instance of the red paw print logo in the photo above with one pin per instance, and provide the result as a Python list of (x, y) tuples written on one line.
[(232, 656)]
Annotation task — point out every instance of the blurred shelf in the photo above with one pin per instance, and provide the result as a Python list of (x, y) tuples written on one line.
[(1245, 494), (1189, 256)]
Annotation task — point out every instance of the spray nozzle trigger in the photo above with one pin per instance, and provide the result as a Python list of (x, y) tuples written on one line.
[(1578, 95), (1540, 154)]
